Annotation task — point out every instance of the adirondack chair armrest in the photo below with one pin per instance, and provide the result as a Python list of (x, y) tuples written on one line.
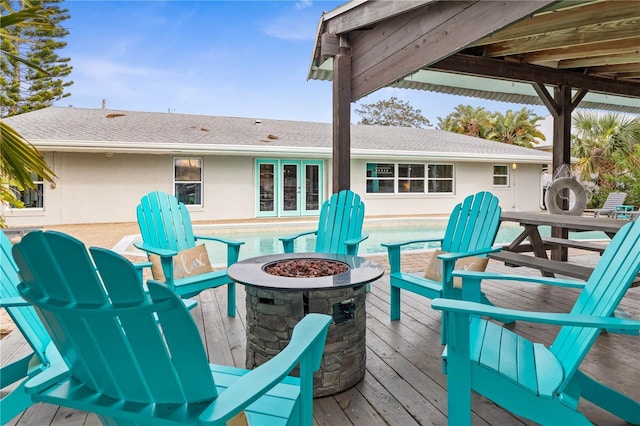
[(233, 246), (155, 250), (481, 309), (353, 243), (48, 377), (476, 276), (287, 241), (455, 256), (227, 241), (10, 302), (393, 252), (307, 340), (399, 244)]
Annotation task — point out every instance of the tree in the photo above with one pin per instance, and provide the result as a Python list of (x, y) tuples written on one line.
[(606, 148), (391, 112), (468, 121), (515, 128), (41, 82), (18, 158)]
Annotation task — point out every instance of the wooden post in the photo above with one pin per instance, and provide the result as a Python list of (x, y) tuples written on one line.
[(561, 155), (342, 118)]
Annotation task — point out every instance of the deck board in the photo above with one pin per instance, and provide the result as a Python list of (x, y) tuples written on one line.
[(403, 382)]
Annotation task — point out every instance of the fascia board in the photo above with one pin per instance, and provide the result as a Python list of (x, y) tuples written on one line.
[(167, 148), (449, 156)]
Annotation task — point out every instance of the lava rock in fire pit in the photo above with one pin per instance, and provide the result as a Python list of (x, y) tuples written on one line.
[(306, 268)]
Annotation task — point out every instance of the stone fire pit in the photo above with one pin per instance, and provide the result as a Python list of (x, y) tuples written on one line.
[(281, 289)]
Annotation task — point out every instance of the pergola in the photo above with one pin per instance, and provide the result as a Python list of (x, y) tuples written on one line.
[(562, 54)]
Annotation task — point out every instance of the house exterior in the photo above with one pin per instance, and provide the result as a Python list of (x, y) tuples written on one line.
[(244, 168)]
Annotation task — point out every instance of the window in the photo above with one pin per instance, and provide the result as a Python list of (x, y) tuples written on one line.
[(188, 180), (409, 178), (501, 175), (32, 198), (380, 177), (440, 178)]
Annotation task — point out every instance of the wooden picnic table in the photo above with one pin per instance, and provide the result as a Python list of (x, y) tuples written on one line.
[(530, 240)]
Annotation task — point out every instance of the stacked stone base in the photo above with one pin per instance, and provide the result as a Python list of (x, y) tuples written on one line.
[(272, 314)]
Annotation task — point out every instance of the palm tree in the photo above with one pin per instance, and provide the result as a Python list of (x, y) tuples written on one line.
[(468, 121), (19, 159), (516, 128), (598, 139)]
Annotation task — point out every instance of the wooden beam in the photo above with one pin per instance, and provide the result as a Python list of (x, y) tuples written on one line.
[(600, 61), (369, 13), (570, 17), (341, 122), (614, 47), (408, 42), (569, 38), (494, 68), (547, 99)]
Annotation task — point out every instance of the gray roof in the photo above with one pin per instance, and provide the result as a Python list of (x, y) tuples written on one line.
[(86, 130)]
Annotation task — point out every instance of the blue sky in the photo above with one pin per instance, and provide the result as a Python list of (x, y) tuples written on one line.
[(225, 58)]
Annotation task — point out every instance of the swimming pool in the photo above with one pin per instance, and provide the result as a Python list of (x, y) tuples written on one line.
[(262, 238)]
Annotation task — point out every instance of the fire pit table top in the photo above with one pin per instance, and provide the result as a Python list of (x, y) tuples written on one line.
[(252, 272)]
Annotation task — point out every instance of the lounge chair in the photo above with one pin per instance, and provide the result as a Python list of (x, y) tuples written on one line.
[(613, 199), (136, 357)]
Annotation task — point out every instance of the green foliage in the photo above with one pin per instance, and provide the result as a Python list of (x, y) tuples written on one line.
[(19, 160), (515, 128), (608, 150), (391, 112), (32, 75)]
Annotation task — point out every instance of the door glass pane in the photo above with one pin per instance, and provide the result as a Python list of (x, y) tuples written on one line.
[(290, 187), (267, 181), (312, 189)]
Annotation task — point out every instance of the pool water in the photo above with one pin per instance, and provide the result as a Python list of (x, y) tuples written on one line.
[(264, 239)]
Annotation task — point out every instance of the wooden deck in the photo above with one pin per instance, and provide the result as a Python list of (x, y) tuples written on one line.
[(403, 384)]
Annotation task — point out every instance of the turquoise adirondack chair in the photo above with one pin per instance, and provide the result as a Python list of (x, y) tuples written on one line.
[(539, 383), (165, 226), (471, 231), (134, 356), (43, 352), (339, 227)]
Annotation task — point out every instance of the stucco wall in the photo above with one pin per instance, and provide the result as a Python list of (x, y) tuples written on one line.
[(95, 188)]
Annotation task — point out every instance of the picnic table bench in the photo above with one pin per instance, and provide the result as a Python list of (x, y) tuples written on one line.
[(530, 240)]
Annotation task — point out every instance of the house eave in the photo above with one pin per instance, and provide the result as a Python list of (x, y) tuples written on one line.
[(261, 150)]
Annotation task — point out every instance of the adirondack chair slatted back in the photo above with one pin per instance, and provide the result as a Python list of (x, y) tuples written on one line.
[(619, 265), (164, 222), (341, 219), (473, 223), (115, 338), (25, 317)]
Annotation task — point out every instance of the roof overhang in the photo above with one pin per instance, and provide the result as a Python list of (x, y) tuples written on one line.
[(587, 45), (100, 147)]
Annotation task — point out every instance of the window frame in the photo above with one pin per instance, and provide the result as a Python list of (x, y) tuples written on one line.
[(399, 180), (506, 176), (38, 181), (196, 182)]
